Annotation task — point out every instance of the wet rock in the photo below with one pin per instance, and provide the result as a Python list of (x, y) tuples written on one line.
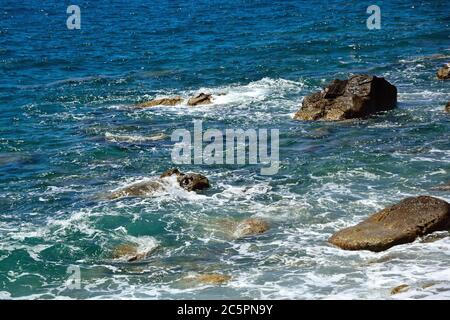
[(250, 227), (173, 101), (188, 181), (137, 190), (128, 252), (200, 99), (444, 72), (357, 97), (398, 224), (400, 289), (213, 278), (447, 107)]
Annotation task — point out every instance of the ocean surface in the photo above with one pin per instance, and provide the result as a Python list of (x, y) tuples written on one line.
[(69, 134)]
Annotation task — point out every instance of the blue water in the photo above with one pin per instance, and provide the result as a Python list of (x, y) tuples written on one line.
[(65, 94)]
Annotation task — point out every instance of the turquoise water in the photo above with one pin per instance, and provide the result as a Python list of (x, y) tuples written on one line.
[(66, 95)]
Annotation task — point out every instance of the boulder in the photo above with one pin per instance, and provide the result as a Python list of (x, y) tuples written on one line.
[(250, 227), (200, 99), (188, 181), (398, 224), (357, 97), (444, 72), (400, 289), (173, 101), (447, 107)]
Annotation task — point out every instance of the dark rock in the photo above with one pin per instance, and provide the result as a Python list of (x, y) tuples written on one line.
[(444, 72), (161, 102), (398, 224), (447, 107), (200, 99), (188, 181), (357, 97)]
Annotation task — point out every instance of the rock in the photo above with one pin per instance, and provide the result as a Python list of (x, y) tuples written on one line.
[(400, 289), (398, 224), (444, 72), (250, 227), (200, 99), (137, 190), (447, 107), (357, 97), (128, 252), (161, 102), (213, 278), (188, 181)]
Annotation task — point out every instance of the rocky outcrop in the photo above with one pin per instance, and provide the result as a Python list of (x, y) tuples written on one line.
[(357, 97), (200, 99), (250, 227), (188, 181), (447, 107), (398, 224), (444, 72), (173, 101)]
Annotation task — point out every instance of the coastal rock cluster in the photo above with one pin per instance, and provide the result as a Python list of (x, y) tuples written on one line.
[(444, 72)]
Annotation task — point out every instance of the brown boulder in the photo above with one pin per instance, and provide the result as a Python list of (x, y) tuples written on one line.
[(447, 107), (444, 72), (128, 252), (357, 97), (137, 190), (200, 99), (398, 224), (214, 278), (161, 102)]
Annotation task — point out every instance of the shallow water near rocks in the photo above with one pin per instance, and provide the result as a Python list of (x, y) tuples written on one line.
[(68, 133)]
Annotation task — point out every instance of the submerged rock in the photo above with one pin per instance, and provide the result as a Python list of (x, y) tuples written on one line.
[(200, 99), (128, 252), (400, 289), (447, 107), (212, 278), (137, 190), (250, 227), (398, 224), (357, 97), (173, 101), (444, 72)]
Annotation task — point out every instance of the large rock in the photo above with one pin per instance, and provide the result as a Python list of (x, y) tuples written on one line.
[(444, 72), (359, 96), (188, 181), (139, 189), (398, 224), (200, 99), (447, 107), (173, 101)]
